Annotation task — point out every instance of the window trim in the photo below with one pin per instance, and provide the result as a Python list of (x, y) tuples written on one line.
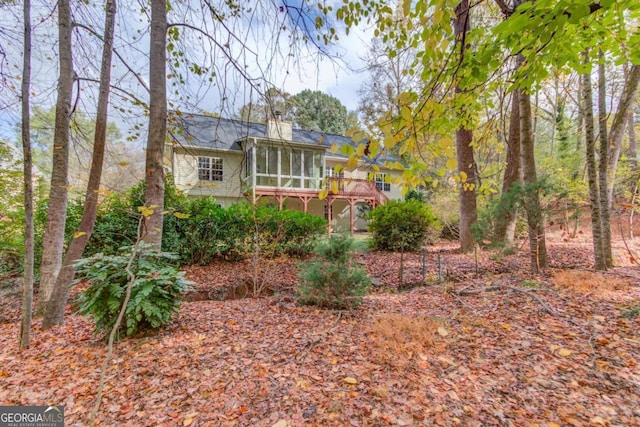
[(381, 182), (214, 168)]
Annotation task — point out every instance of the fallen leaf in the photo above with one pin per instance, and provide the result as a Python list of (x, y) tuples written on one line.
[(188, 420), (351, 380), (281, 423), (381, 392), (442, 331), (564, 352)]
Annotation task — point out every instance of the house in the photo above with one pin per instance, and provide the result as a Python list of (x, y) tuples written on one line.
[(273, 163)]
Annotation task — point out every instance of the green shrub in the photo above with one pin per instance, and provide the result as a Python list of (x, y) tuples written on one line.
[(208, 230), (399, 225), (332, 280), (155, 295), (117, 220)]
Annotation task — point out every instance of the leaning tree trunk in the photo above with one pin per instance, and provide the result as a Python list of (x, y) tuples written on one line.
[(505, 228), (617, 128), (605, 215), (53, 240), (154, 178), (633, 153), (592, 174), (464, 149), (535, 222), (54, 313), (27, 294)]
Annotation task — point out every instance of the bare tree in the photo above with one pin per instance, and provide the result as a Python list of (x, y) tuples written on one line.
[(54, 313), (27, 295), (53, 241)]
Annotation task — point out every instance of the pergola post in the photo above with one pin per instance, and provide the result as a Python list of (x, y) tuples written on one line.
[(352, 204)]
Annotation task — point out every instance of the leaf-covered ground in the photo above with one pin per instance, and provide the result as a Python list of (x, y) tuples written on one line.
[(490, 345)]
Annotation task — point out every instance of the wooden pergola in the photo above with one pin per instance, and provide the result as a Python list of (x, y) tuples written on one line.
[(351, 190)]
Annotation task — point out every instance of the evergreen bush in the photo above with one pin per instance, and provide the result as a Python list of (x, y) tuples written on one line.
[(332, 279), (156, 293)]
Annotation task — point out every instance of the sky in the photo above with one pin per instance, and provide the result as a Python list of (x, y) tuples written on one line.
[(291, 68)]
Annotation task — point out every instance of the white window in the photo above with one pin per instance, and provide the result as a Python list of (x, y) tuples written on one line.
[(382, 182), (210, 169), (331, 172)]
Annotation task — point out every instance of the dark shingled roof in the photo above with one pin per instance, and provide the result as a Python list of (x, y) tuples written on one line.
[(197, 130)]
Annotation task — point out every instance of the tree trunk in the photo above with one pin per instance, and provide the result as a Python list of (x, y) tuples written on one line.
[(617, 128), (633, 153), (53, 240), (580, 118), (154, 171), (464, 149), (54, 313), (506, 221), (605, 216), (537, 243), (592, 174), (27, 294)]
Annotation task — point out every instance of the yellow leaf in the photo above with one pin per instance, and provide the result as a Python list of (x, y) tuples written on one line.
[(406, 7), (78, 234), (564, 352), (389, 141), (124, 163), (146, 210), (188, 420), (181, 215), (334, 186), (506, 326), (442, 331), (351, 380), (281, 423), (437, 16), (452, 164)]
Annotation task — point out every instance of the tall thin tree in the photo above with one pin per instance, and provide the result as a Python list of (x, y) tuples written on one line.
[(506, 220), (537, 240), (154, 171), (27, 295), (592, 170), (464, 147), (54, 313), (53, 240)]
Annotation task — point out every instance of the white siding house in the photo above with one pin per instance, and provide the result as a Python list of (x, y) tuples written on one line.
[(272, 163)]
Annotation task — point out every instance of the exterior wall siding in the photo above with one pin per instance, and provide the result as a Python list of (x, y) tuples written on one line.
[(185, 171)]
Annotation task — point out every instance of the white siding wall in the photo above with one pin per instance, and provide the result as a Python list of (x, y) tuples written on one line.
[(227, 191)]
